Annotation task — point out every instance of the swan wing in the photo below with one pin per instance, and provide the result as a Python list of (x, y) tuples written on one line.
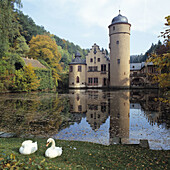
[(53, 152), (28, 148), (58, 150), (26, 142), (34, 147)]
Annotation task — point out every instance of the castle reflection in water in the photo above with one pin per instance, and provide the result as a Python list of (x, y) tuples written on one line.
[(98, 105)]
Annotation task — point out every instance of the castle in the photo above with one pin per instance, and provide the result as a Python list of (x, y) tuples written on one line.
[(100, 71)]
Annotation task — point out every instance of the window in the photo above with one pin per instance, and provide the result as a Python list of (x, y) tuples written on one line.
[(103, 67), (95, 81), (79, 68), (77, 79), (117, 42), (93, 107), (113, 28), (79, 108), (91, 60), (71, 68), (103, 107), (92, 68), (95, 68), (95, 51), (118, 61), (90, 80), (98, 59), (94, 59), (78, 98), (104, 81)]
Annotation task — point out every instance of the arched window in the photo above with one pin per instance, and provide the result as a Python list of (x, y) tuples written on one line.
[(77, 79)]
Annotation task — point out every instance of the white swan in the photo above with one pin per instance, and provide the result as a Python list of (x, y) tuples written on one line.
[(28, 147), (53, 151)]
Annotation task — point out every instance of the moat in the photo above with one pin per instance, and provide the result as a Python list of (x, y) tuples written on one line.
[(99, 116)]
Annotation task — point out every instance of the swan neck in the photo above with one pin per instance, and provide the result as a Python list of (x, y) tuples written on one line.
[(53, 144)]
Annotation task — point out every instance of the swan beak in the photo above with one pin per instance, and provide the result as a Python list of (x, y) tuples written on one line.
[(47, 144)]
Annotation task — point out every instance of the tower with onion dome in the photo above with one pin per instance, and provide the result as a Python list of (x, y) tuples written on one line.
[(119, 33)]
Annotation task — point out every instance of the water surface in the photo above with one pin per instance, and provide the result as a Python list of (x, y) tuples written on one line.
[(105, 117)]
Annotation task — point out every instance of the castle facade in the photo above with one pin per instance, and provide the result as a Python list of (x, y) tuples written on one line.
[(98, 70)]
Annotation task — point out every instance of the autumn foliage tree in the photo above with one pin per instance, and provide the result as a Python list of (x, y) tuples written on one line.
[(44, 47), (162, 58), (25, 79)]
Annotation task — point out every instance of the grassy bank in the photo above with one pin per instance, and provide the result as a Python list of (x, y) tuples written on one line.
[(82, 155)]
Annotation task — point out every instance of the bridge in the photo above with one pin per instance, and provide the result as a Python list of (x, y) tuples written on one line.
[(142, 80)]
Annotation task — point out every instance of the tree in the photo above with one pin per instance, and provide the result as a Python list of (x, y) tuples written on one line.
[(30, 78), (45, 48), (21, 46), (162, 58), (9, 27), (28, 27), (5, 74), (25, 79)]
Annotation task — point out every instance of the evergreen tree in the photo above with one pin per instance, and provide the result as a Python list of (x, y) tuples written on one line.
[(21, 46), (9, 26)]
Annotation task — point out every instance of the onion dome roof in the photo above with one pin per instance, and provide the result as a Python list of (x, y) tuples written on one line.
[(78, 59), (119, 19)]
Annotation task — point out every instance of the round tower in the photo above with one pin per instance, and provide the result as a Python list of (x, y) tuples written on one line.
[(119, 33), (77, 72)]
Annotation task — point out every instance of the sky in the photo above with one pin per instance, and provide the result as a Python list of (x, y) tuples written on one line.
[(85, 22)]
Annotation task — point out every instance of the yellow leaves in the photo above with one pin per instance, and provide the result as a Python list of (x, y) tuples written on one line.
[(44, 47), (168, 20), (162, 62), (31, 78), (155, 99)]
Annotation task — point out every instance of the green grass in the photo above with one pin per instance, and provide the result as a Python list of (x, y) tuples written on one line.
[(82, 155)]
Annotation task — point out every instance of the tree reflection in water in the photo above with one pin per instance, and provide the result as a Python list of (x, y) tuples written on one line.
[(35, 114), (106, 117)]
